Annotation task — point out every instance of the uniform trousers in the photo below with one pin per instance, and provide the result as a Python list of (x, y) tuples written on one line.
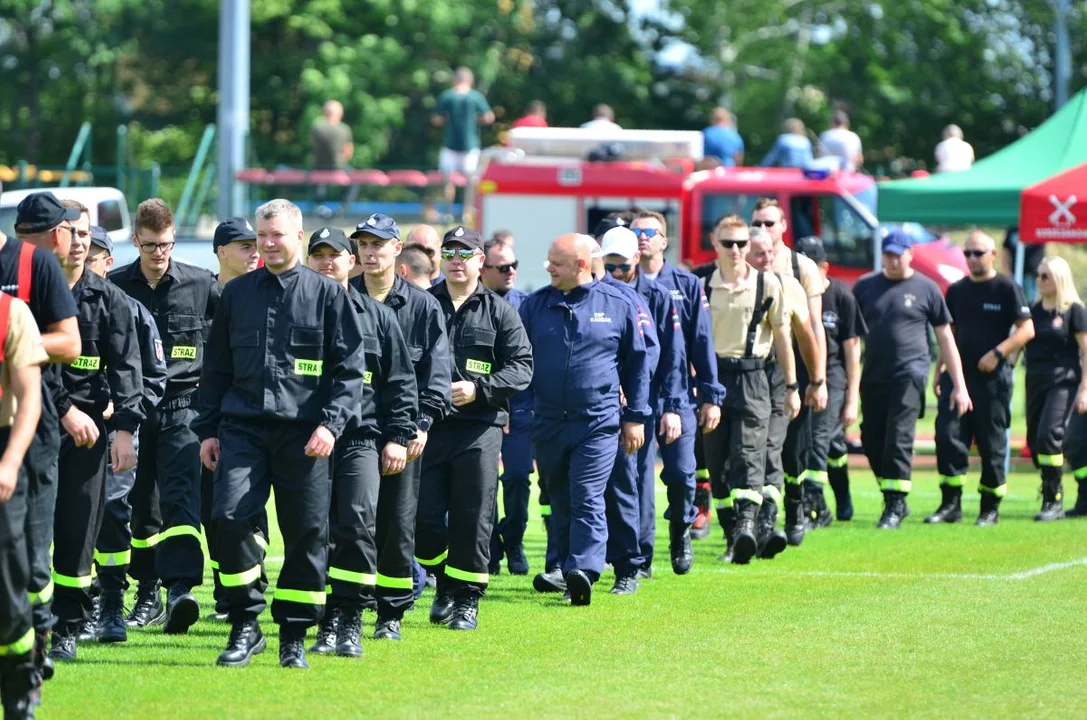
[(986, 424), (891, 410)]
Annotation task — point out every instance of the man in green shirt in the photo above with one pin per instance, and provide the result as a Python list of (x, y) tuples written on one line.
[(330, 139), (461, 110)]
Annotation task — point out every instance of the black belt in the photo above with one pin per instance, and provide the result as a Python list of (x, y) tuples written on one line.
[(741, 364)]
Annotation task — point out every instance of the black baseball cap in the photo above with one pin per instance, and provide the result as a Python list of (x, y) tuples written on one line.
[(812, 247), (334, 238), (378, 225), (235, 229), (461, 235), (100, 238), (606, 224), (42, 211)]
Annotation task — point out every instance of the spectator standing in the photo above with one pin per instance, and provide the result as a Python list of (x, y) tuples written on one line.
[(603, 119), (461, 110), (330, 139), (841, 142), (535, 116), (721, 141), (954, 154), (792, 149)]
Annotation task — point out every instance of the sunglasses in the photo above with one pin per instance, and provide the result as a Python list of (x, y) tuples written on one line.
[(625, 267), (975, 253), (1044, 276), (503, 268), (763, 223), (646, 232), (729, 244), (463, 254)]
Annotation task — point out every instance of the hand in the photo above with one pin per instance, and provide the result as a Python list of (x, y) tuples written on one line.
[(633, 436), (416, 446), (464, 392), (9, 477), (709, 417), (988, 362), (108, 412), (816, 397), (849, 413), (1081, 401), (80, 426), (671, 427), (960, 401), (122, 453), (394, 457), (320, 443), (936, 383), (209, 453), (792, 403), (506, 428)]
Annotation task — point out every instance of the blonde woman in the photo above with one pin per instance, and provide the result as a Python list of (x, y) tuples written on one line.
[(1055, 381)]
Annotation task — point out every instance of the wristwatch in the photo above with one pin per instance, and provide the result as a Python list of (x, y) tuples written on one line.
[(816, 383), (793, 387), (425, 423), (999, 355)]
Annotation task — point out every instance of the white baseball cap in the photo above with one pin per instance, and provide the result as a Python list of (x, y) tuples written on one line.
[(619, 241)]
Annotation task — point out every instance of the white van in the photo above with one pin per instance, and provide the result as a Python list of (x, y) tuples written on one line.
[(107, 207)]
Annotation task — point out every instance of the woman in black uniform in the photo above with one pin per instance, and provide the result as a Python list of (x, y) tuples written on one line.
[(1055, 381)]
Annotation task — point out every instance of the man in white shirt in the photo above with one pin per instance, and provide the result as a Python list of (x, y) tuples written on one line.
[(603, 119), (954, 154), (841, 142)]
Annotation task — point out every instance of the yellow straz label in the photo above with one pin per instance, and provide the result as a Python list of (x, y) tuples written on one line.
[(183, 352), (478, 366), (84, 362), (308, 367), (367, 376)]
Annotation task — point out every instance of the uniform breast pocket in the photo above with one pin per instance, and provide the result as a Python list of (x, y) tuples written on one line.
[(372, 348), (475, 351), (185, 333), (307, 350), (245, 347), (90, 358)]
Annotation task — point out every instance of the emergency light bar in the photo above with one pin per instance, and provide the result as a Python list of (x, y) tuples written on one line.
[(579, 142)]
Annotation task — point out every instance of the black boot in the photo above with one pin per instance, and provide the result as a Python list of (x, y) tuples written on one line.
[(19, 686), (465, 613), (148, 610), (64, 644), (950, 510), (744, 543), (246, 640), (349, 632), (1052, 499), (580, 588), (894, 510), (292, 649), (516, 562), (42, 661), (1080, 508), (770, 540), (182, 610), (819, 515), (111, 624), (441, 610), (625, 584), (326, 633), (795, 524), (680, 548), (387, 628), (838, 477), (727, 518), (549, 582), (990, 510), (88, 631)]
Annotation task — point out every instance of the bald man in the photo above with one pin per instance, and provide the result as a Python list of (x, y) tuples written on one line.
[(428, 238), (587, 345), (330, 140), (983, 307)]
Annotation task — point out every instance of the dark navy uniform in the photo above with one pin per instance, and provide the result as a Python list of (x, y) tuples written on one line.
[(109, 369), (587, 343), (285, 355), (183, 304)]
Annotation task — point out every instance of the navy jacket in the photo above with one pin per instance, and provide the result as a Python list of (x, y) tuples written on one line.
[(668, 392), (645, 320), (587, 344), (522, 401)]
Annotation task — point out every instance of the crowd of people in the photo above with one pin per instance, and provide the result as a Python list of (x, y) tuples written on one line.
[(377, 384)]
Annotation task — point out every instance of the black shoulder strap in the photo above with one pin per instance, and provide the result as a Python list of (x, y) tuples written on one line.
[(706, 286), (796, 266), (762, 305)]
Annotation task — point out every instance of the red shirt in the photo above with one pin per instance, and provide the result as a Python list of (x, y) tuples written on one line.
[(529, 121)]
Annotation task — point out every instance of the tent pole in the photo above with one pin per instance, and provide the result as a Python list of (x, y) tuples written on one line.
[(1019, 261)]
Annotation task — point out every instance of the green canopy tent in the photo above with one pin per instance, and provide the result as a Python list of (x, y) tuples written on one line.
[(988, 193)]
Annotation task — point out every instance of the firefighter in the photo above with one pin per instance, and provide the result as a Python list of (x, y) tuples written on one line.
[(491, 361), (375, 444), (749, 317), (898, 304), (282, 379), (1056, 381), (983, 306), (587, 346), (182, 299), (423, 326), (107, 374)]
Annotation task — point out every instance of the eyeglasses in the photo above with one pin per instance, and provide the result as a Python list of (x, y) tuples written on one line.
[(975, 253), (1044, 276), (646, 232), (463, 254), (763, 223), (625, 267), (152, 248), (729, 244), (503, 268)]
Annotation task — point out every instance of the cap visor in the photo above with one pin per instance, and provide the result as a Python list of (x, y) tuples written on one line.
[(72, 214), (383, 234)]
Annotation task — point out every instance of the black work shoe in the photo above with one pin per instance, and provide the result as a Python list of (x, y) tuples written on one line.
[(624, 585), (680, 548), (950, 510), (148, 610), (292, 650), (894, 510), (465, 614), (744, 544), (387, 628), (246, 640), (20, 688), (111, 624), (182, 611), (795, 521), (838, 479), (441, 610), (516, 562), (769, 541), (1080, 508), (818, 511), (549, 582), (348, 633), (580, 587), (990, 510), (64, 642), (88, 631), (645, 572), (1051, 510), (326, 633), (42, 661)]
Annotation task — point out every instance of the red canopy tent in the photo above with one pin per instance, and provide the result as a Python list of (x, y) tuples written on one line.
[(1055, 210)]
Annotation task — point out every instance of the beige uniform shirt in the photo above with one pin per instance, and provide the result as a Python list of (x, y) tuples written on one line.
[(22, 347), (731, 310), (796, 301), (810, 277)]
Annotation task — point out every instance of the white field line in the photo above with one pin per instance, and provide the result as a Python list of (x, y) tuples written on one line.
[(1000, 577)]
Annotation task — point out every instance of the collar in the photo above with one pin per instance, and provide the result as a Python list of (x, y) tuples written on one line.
[(717, 281), (282, 278), (442, 290)]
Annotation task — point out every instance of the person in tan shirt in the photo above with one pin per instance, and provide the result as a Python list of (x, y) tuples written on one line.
[(21, 356), (749, 318)]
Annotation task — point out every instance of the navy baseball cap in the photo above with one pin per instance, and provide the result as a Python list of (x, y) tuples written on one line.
[(100, 238), (333, 237), (378, 225), (812, 247), (467, 237), (42, 211), (235, 229), (606, 224), (897, 242)]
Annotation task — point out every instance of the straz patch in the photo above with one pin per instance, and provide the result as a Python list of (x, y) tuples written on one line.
[(478, 366), (83, 362), (311, 368), (367, 376), (183, 352)]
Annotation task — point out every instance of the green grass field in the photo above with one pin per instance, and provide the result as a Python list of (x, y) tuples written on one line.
[(927, 621)]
